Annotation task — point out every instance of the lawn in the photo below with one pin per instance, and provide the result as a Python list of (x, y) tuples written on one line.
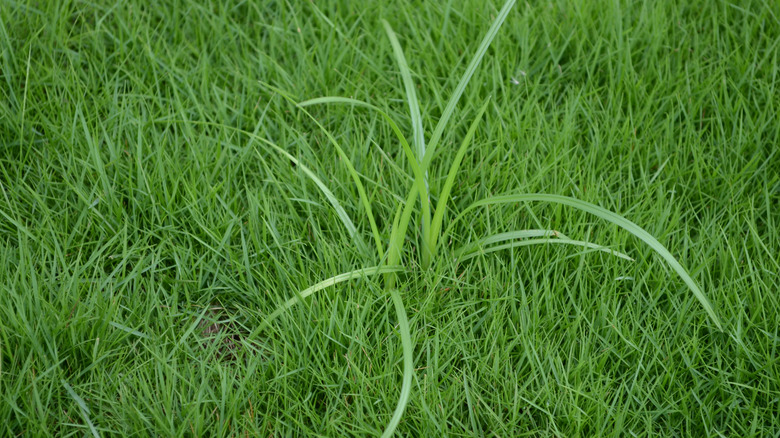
[(191, 246)]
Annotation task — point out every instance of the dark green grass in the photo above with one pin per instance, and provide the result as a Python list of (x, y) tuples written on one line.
[(143, 236)]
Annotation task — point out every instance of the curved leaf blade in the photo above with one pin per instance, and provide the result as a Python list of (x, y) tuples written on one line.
[(334, 202), (411, 95), (332, 281), (616, 219), (408, 352), (502, 237), (419, 186), (347, 162), (528, 242)]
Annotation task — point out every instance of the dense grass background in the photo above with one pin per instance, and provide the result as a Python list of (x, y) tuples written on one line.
[(144, 234)]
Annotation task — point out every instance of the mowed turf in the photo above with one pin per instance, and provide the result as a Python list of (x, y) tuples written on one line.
[(148, 229)]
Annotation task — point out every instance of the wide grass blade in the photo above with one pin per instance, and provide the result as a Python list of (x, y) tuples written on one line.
[(464, 80), (411, 94), (441, 206), (418, 139), (479, 251), (408, 351), (398, 234), (351, 275), (609, 216)]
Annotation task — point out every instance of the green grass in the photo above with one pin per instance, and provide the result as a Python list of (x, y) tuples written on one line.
[(150, 233)]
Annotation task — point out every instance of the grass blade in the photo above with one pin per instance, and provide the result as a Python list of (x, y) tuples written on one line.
[(472, 67), (334, 202), (480, 250), (353, 173), (502, 237), (616, 219), (408, 351), (351, 275), (127, 329), (398, 234), (416, 169), (411, 94), (82, 405), (420, 187), (441, 206), (328, 194)]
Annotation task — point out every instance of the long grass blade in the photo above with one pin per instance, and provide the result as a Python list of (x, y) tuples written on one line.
[(334, 202), (416, 169), (480, 250), (411, 94), (82, 406), (398, 234), (464, 80), (503, 237), (340, 212), (332, 281), (420, 187), (418, 139), (347, 162), (408, 352), (441, 206), (609, 216)]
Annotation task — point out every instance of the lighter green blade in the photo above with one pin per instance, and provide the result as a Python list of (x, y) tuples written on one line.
[(441, 206), (411, 94), (616, 219), (348, 163), (503, 237), (464, 80), (408, 351), (351, 275), (519, 243), (334, 202)]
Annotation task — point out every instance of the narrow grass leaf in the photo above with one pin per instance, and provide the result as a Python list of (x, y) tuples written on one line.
[(83, 406), (464, 80), (416, 169), (479, 251), (408, 352), (503, 237), (334, 202), (393, 246), (411, 93), (419, 177), (418, 139), (398, 234), (127, 329), (328, 194), (469, 403), (616, 219), (351, 275), (348, 163), (441, 206)]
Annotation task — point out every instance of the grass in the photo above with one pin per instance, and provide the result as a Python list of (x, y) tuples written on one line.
[(150, 231)]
